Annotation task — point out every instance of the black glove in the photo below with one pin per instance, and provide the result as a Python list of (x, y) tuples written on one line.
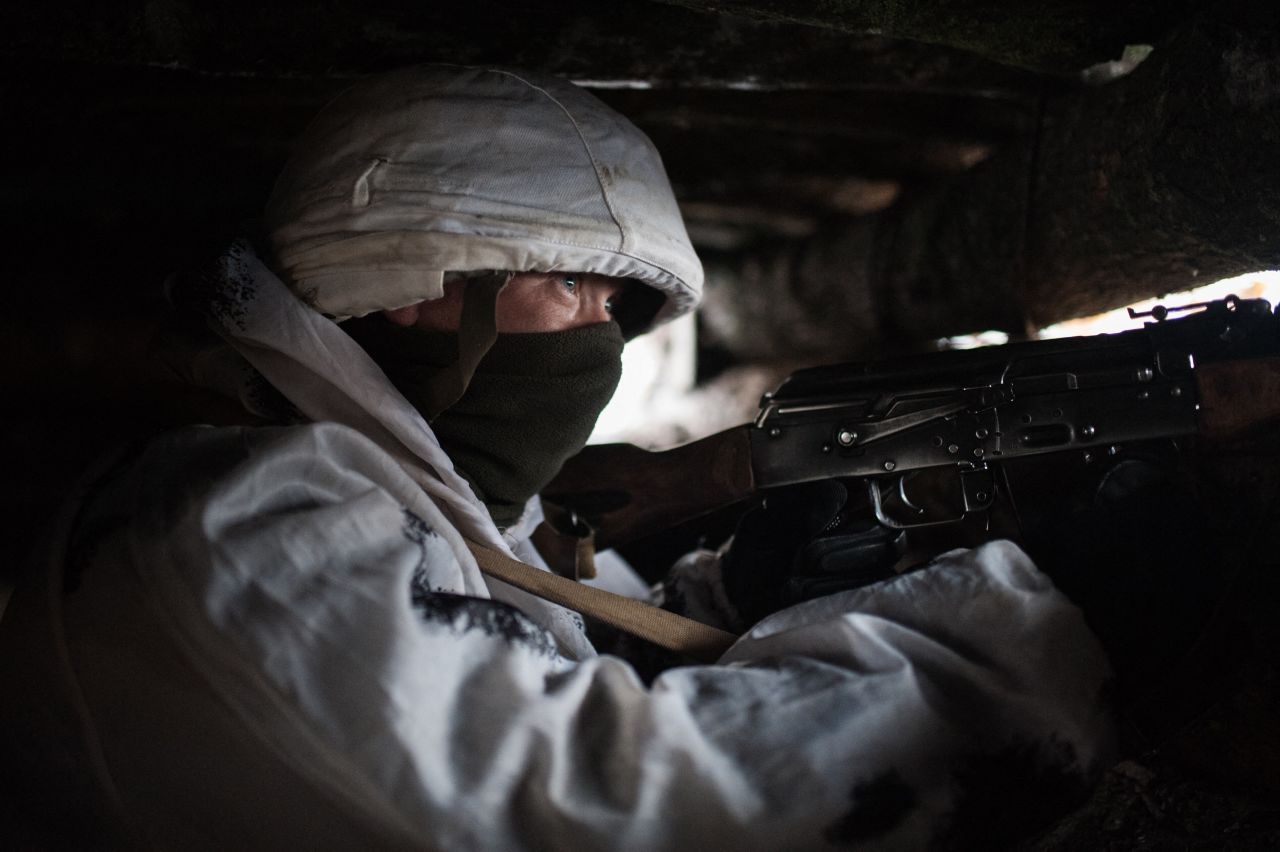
[(800, 544)]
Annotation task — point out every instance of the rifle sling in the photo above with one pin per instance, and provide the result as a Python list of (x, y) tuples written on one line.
[(666, 629)]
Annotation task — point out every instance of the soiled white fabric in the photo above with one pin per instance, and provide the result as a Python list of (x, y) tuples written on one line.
[(275, 681), (327, 377), (275, 637), (449, 168)]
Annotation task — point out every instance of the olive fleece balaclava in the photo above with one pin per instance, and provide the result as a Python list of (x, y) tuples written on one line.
[(530, 404)]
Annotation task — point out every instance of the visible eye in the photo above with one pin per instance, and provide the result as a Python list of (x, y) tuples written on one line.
[(570, 283), (609, 305)]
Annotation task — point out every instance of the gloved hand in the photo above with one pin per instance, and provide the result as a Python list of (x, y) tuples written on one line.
[(800, 544)]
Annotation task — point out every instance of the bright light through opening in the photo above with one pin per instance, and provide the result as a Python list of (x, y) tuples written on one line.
[(657, 376), (1255, 285), (973, 341)]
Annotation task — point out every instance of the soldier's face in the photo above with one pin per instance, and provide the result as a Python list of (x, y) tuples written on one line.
[(531, 302)]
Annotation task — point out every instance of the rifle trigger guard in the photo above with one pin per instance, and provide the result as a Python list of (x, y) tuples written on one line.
[(977, 485)]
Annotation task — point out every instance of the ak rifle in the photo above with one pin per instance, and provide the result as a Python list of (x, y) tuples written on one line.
[(930, 436)]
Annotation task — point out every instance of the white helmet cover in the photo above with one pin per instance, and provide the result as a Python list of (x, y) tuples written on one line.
[(441, 169)]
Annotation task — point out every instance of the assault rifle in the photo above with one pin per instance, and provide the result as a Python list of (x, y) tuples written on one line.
[(932, 437)]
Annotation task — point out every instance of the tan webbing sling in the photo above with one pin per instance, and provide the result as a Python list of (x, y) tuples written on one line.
[(666, 629)]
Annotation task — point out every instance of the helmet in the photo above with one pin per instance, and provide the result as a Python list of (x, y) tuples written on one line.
[(437, 169)]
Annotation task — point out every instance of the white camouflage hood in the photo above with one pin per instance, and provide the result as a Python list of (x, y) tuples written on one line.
[(452, 169)]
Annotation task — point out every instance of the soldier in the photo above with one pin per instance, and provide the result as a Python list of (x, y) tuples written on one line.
[(277, 634)]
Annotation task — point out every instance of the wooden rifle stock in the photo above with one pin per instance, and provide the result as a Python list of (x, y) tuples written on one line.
[(625, 492), (1237, 397)]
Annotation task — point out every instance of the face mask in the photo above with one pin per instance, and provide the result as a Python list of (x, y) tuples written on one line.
[(530, 404)]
